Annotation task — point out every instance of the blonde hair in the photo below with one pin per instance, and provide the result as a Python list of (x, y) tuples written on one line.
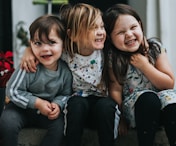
[(80, 21)]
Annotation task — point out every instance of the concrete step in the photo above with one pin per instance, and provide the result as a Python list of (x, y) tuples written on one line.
[(33, 136)]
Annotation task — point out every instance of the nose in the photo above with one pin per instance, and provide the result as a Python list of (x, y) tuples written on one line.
[(129, 33), (100, 31), (45, 47)]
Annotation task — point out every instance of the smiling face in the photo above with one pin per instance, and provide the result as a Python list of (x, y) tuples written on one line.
[(47, 51), (127, 33), (95, 38)]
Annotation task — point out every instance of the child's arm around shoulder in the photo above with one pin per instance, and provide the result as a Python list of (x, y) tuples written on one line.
[(28, 60)]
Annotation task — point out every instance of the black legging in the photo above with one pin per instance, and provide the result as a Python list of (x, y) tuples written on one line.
[(147, 117), (169, 122)]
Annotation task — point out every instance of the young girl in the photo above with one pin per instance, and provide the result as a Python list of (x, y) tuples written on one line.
[(89, 106), (140, 72), (34, 99)]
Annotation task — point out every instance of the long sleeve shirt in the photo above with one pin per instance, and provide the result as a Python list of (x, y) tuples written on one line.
[(55, 86)]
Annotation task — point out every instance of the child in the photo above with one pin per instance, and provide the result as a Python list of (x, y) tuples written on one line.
[(89, 106), (140, 71), (37, 99)]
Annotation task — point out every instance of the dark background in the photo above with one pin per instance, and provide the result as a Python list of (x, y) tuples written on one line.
[(5, 25)]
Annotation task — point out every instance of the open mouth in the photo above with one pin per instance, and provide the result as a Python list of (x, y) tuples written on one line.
[(46, 56), (130, 42), (100, 40)]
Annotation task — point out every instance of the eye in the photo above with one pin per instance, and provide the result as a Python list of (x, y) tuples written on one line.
[(134, 27), (52, 42), (120, 32), (37, 43)]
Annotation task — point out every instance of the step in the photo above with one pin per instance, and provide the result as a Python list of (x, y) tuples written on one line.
[(33, 136)]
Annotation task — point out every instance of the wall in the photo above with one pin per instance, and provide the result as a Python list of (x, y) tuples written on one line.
[(161, 22), (23, 10)]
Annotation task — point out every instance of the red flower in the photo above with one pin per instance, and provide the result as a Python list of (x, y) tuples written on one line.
[(6, 67), (6, 61)]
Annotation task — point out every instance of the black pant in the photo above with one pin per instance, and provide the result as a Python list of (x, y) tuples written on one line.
[(14, 118), (149, 117), (94, 112)]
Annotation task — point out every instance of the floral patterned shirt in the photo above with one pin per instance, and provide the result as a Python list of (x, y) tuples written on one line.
[(136, 84), (87, 73)]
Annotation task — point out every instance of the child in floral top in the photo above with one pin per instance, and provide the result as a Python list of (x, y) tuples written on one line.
[(140, 72)]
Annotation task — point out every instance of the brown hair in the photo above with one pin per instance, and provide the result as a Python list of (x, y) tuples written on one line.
[(44, 24), (81, 19)]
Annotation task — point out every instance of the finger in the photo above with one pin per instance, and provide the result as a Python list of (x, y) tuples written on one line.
[(52, 117), (31, 66), (25, 66)]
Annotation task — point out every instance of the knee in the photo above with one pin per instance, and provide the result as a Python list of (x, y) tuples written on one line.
[(148, 100), (9, 124), (105, 107), (7, 129), (78, 106)]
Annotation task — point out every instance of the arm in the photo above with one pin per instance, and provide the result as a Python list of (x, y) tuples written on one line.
[(63, 95), (17, 91), (28, 61), (160, 75), (115, 90)]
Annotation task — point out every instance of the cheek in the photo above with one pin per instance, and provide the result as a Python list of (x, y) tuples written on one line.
[(140, 35), (35, 51), (58, 49), (118, 42)]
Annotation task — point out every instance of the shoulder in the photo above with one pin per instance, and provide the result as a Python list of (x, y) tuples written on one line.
[(63, 66), (62, 63), (156, 44), (156, 48)]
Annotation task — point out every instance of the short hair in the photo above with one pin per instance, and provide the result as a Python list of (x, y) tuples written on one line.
[(44, 24)]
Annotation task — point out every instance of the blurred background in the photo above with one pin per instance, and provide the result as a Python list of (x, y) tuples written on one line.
[(16, 15)]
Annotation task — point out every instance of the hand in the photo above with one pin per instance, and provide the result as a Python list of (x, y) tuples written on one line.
[(123, 127), (55, 111), (138, 60), (43, 106), (28, 61)]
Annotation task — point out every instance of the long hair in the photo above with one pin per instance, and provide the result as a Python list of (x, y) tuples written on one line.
[(81, 19), (121, 59)]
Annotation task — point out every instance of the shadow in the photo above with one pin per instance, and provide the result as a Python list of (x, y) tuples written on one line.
[(2, 99)]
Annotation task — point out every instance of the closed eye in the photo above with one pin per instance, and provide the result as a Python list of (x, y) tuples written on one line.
[(134, 27), (120, 32)]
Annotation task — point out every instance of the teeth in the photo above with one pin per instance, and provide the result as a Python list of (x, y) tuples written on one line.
[(98, 40), (130, 42)]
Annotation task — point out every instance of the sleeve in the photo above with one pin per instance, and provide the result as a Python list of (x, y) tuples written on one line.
[(64, 95), (17, 87)]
